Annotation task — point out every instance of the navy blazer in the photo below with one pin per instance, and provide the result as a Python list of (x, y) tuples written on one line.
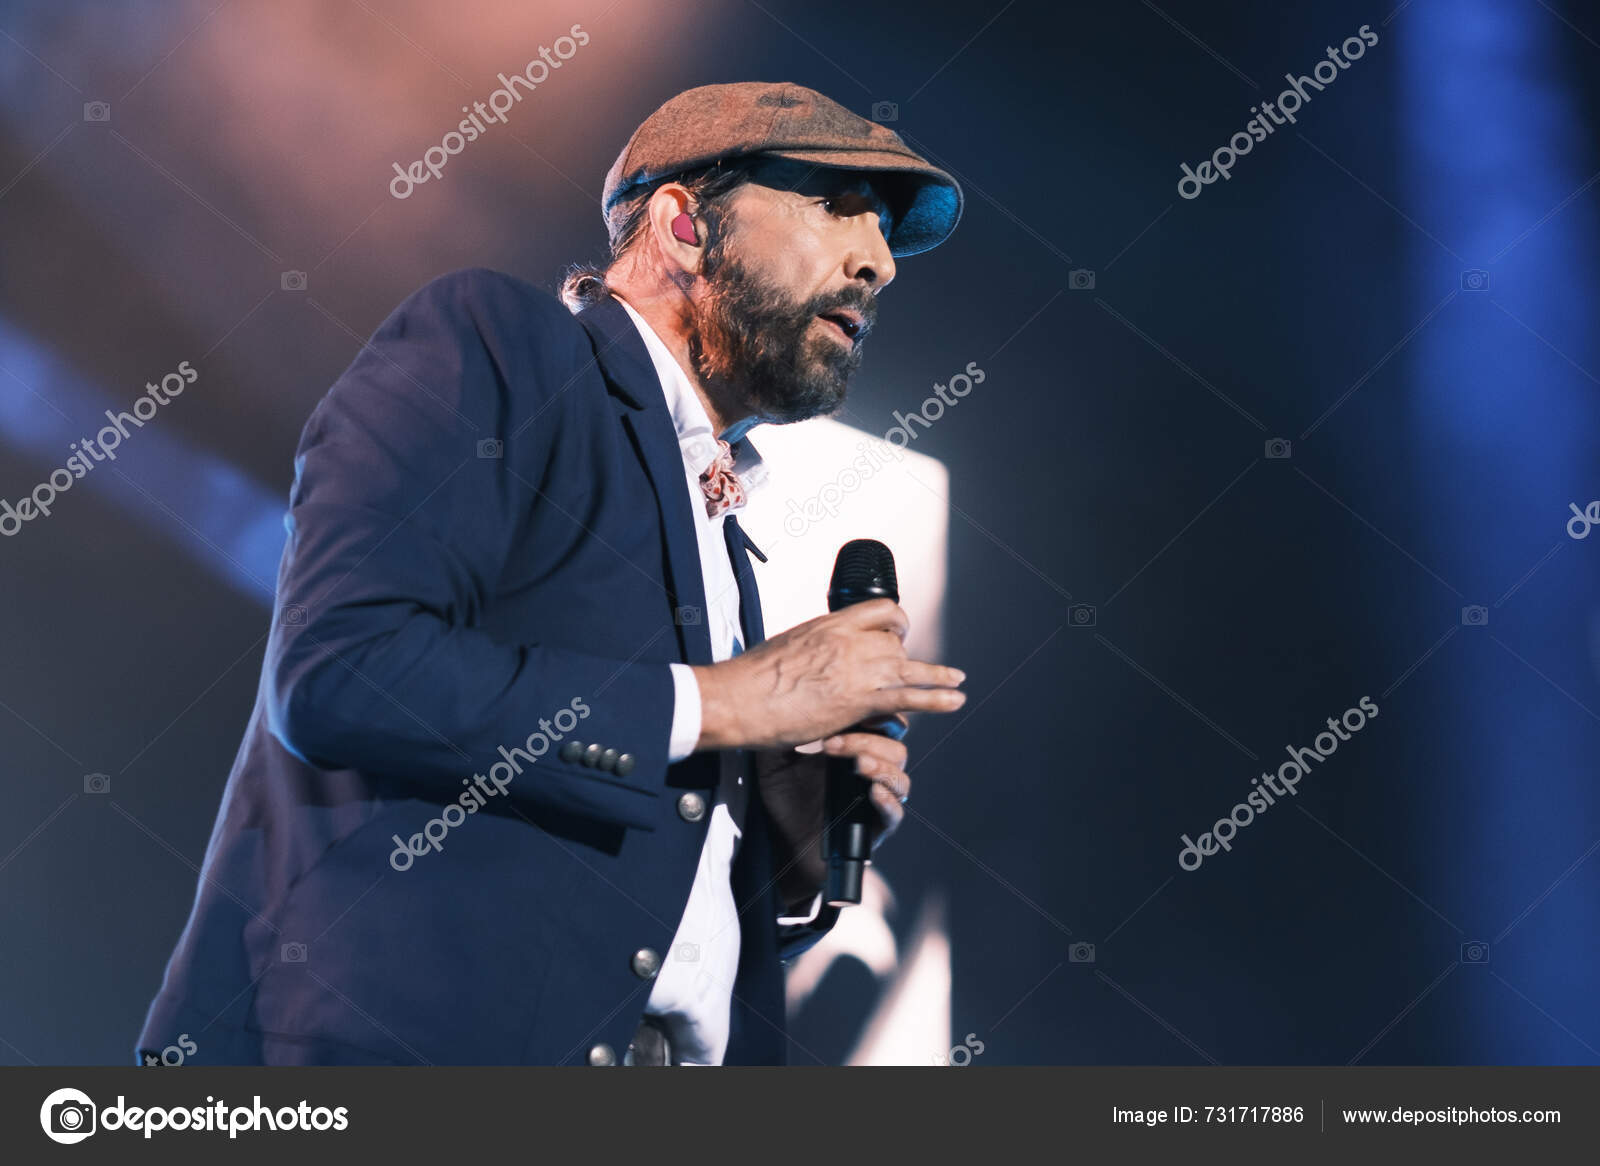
[(489, 539)]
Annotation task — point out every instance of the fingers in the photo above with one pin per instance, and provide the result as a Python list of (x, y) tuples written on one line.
[(881, 761), (887, 778), (885, 754), (889, 802), (890, 810), (922, 674), (917, 686), (888, 783), (878, 614), (894, 643), (917, 700)]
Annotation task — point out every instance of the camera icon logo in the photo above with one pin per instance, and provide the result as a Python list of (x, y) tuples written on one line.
[(292, 953), (885, 111), (68, 1116), (96, 111), (1082, 615), (96, 783), (1080, 279), (698, 450), (292, 615), (1080, 953), (293, 281), (1475, 615), (686, 616), (687, 952), (491, 447), (1278, 447), (1475, 953), (1475, 279)]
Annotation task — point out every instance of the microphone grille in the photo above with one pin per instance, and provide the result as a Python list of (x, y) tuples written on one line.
[(864, 570)]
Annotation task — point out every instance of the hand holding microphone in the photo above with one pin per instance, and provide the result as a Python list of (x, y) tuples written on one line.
[(863, 572), (819, 678), (844, 674)]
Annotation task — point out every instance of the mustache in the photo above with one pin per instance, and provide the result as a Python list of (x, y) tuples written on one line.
[(862, 303)]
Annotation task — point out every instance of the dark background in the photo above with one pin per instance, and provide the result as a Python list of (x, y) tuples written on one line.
[(1114, 457)]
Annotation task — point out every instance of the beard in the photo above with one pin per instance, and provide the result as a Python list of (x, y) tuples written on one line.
[(750, 339)]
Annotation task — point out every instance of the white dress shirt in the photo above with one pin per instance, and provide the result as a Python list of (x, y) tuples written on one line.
[(693, 990)]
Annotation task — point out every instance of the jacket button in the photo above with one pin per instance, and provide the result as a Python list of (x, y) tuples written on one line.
[(571, 750), (591, 755), (646, 963), (691, 807), (624, 765), (608, 760), (602, 1054)]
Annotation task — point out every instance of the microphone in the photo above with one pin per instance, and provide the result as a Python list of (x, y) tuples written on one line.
[(864, 570)]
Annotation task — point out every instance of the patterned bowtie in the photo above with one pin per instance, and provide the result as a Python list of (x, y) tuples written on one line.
[(720, 485)]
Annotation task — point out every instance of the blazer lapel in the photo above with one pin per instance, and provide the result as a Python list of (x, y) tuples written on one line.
[(625, 363)]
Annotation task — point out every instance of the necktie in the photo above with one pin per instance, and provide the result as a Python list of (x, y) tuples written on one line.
[(745, 575)]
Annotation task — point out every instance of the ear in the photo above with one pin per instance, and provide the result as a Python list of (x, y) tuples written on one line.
[(673, 225)]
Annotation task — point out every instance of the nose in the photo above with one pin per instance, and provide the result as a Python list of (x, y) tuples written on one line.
[(868, 259)]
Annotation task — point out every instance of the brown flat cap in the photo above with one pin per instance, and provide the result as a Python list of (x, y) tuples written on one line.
[(784, 120)]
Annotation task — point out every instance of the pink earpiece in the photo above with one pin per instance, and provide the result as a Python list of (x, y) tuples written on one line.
[(683, 228)]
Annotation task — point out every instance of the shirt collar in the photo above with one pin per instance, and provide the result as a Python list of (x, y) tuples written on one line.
[(689, 416)]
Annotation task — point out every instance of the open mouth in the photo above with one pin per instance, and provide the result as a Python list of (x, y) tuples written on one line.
[(848, 325)]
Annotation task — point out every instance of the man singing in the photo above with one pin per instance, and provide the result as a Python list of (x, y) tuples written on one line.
[(521, 784)]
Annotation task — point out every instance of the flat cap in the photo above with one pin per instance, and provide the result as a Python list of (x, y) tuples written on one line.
[(780, 119)]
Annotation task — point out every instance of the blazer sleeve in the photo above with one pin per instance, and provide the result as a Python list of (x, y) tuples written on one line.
[(412, 479)]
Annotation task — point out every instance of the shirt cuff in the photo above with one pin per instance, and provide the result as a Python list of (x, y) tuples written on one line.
[(816, 906), (685, 713)]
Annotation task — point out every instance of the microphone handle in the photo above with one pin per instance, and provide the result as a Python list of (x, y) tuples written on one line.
[(851, 816)]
